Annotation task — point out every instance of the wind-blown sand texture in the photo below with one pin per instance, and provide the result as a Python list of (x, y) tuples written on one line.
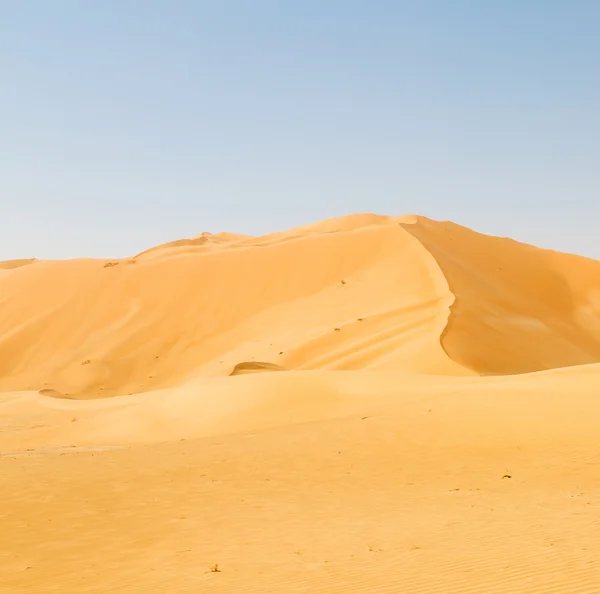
[(364, 405)]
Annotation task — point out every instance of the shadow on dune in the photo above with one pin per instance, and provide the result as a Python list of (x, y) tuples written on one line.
[(12, 264), (255, 367), (517, 308)]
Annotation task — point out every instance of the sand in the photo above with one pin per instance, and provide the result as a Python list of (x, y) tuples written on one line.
[(366, 404)]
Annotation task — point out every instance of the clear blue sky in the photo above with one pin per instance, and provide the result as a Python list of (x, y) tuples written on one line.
[(125, 124)]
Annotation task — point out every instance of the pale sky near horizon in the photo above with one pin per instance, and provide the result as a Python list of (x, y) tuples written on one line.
[(125, 124)]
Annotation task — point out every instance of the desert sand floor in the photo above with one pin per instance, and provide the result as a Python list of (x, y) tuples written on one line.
[(367, 404)]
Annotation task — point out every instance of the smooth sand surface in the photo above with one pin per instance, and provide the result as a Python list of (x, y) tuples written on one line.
[(368, 404)]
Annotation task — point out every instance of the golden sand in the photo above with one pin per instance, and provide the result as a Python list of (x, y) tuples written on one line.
[(368, 404)]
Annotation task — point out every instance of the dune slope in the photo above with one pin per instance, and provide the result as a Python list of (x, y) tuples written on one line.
[(359, 296)]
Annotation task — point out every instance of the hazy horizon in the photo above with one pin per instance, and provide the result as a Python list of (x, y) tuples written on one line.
[(128, 126)]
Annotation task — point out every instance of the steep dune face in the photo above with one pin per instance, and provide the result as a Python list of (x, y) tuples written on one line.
[(518, 308), (363, 291)]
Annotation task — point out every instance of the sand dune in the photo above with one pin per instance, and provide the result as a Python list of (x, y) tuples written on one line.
[(351, 293), (365, 404)]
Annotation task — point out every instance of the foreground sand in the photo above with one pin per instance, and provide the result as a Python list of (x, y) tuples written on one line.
[(388, 445)]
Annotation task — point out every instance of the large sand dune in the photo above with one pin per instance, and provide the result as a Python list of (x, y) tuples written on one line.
[(366, 404)]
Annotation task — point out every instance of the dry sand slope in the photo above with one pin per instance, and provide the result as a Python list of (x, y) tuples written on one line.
[(367, 404)]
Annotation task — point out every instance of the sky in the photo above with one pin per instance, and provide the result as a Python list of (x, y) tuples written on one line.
[(125, 124)]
